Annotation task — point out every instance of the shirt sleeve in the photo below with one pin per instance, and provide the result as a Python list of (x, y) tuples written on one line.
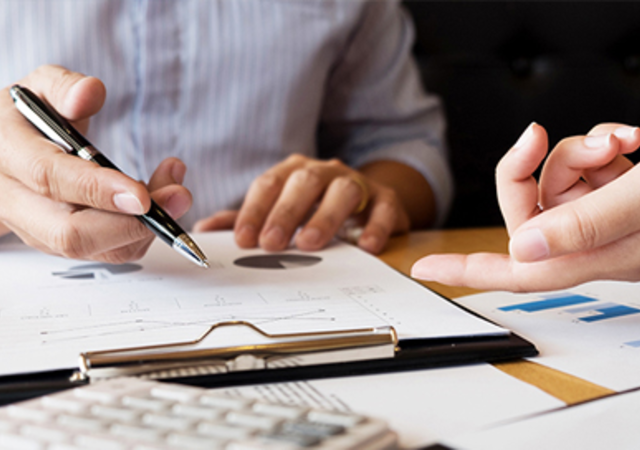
[(376, 109)]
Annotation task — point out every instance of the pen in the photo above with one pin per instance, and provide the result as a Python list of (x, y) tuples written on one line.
[(60, 131)]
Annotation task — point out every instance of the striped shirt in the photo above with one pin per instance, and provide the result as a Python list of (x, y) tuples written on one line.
[(232, 87)]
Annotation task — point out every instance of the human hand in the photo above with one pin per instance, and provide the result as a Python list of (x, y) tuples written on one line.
[(62, 204), (576, 225), (327, 193)]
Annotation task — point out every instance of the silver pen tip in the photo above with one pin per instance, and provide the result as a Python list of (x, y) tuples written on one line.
[(187, 248)]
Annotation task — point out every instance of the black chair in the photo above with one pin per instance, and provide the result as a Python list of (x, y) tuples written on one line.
[(500, 65)]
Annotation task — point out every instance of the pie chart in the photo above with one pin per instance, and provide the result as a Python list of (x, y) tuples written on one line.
[(277, 261), (97, 270)]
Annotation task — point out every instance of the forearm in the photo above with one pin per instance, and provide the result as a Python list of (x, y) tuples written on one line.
[(413, 191)]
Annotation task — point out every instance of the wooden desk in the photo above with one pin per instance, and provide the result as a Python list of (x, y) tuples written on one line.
[(403, 251)]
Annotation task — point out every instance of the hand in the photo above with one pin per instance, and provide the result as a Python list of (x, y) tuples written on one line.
[(62, 204), (577, 225), (327, 193)]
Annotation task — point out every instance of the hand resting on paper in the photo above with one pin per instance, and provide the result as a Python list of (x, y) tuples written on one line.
[(580, 222)]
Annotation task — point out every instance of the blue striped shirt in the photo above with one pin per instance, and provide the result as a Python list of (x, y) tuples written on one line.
[(232, 87)]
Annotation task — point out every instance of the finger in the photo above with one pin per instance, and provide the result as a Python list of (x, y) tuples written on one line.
[(516, 186), (301, 192), (598, 177), (222, 220), (169, 171), (41, 165), (629, 135), (561, 177), (260, 198), (603, 216), (175, 200), (490, 271), (63, 229), (74, 95), (387, 217), (341, 198)]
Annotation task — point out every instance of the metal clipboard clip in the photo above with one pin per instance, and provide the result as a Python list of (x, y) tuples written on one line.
[(273, 351)]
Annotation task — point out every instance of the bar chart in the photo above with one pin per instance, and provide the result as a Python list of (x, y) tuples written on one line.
[(591, 309), (584, 331)]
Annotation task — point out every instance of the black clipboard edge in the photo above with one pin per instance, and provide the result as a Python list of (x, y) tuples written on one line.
[(413, 354)]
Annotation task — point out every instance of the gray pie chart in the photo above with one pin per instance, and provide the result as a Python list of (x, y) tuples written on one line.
[(92, 270), (277, 261)]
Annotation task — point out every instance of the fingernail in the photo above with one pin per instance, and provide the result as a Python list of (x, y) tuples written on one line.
[(418, 273), (128, 203), (525, 136), (247, 235), (311, 236), (274, 237), (176, 205), (177, 173), (369, 243), (597, 141), (624, 132), (529, 246)]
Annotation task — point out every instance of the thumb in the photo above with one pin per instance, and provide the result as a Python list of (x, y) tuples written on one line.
[(75, 96), (595, 219)]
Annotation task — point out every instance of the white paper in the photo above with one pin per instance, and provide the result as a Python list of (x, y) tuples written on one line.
[(51, 308), (421, 406), (591, 331), (608, 423)]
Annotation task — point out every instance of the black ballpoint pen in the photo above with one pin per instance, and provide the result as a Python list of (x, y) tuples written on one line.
[(60, 131)]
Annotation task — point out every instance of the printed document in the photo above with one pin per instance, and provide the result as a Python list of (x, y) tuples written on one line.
[(591, 331), (52, 309)]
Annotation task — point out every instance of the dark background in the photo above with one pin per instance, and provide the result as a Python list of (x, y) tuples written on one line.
[(498, 66)]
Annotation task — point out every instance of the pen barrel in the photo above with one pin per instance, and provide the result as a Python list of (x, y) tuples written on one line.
[(162, 225)]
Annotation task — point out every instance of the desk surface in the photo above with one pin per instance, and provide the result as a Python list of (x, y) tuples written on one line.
[(403, 251)]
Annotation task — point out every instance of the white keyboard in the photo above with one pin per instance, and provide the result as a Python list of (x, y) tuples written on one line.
[(135, 414)]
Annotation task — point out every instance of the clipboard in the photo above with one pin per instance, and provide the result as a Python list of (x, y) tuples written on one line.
[(284, 357), (309, 319)]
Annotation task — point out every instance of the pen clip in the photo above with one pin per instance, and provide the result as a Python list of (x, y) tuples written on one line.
[(47, 120)]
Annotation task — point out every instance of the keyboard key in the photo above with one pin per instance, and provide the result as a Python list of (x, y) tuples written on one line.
[(197, 412), (191, 442), (45, 434), (253, 421), (100, 443), (64, 404), (284, 411), (312, 429), (301, 440), (224, 431), (116, 413), (15, 442), (218, 401), (82, 423), (134, 432), (146, 403), (30, 414), (334, 418), (168, 422)]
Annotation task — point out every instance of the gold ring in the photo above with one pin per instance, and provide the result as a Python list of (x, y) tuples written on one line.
[(364, 200)]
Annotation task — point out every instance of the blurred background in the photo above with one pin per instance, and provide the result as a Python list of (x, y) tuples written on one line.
[(498, 66)]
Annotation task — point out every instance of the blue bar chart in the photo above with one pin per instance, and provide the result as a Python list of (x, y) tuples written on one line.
[(592, 309), (550, 303)]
